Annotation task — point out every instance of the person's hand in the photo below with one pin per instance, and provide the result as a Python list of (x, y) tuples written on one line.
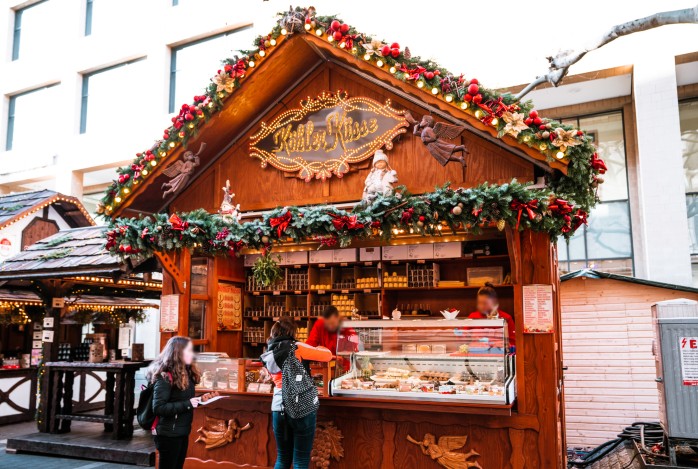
[(209, 395), (194, 402)]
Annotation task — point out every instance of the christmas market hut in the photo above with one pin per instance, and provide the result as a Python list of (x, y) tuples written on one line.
[(48, 293), (326, 167)]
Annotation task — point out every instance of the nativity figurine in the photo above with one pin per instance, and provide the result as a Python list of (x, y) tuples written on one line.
[(227, 209)]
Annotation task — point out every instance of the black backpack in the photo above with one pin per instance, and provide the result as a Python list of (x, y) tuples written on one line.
[(144, 413), (298, 391)]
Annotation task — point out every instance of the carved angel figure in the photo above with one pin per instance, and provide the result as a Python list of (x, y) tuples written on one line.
[(444, 452), (380, 180), (432, 134), (215, 433), (228, 210), (180, 171)]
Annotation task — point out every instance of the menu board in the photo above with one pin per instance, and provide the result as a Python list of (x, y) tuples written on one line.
[(229, 309), (169, 313), (538, 309)]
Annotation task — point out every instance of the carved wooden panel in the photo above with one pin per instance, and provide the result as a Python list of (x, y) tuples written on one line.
[(38, 229)]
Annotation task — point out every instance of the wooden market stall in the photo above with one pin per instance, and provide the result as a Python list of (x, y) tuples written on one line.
[(297, 132)]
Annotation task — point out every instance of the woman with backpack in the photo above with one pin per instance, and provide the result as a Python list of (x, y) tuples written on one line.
[(173, 375), (295, 401)]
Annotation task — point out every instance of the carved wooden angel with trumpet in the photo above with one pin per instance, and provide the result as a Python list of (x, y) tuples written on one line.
[(217, 432), (444, 452), (432, 133), (180, 171)]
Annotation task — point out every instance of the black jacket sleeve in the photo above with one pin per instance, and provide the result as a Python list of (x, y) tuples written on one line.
[(162, 405)]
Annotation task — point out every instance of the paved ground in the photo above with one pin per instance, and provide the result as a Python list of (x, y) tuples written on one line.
[(30, 461)]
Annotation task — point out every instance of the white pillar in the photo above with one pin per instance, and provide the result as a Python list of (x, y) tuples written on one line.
[(664, 223)]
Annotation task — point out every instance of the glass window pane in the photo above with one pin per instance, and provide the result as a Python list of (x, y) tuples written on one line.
[(688, 115), (36, 25), (577, 249), (562, 249), (107, 92), (608, 233), (104, 12), (197, 318), (25, 120), (199, 276), (194, 65), (607, 131), (614, 266)]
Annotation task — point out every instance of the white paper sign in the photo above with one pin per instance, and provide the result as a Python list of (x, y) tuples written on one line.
[(538, 308), (48, 322), (169, 313), (124, 336), (689, 360), (47, 336), (36, 344)]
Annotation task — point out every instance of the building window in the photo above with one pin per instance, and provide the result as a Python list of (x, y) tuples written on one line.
[(688, 116), (193, 64), (24, 119), (104, 94), (88, 17), (32, 25), (606, 243)]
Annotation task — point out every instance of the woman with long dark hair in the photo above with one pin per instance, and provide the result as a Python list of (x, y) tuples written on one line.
[(174, 375), (294, 437)]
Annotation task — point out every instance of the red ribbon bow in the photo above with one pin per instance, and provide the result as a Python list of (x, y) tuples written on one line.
[(345, 222), (476, 212), (412, 73), (598, 164), (281, 223), (493, 108), (579, 218), (519, 207), (560, 207), (177, 223)]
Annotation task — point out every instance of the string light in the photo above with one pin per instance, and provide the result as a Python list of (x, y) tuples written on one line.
[(284, 31), (560, 155), (262, 53), (367, 56), (495, 121), (249, 64), (543, 146), (272, 42), (434, 90), (379, 63), (172, 144), (47, 203), (307, 26), (464, 105), (393, 70), (330, 38), (479, 114), (153, 163), (449, 98), (318, 32), (420, 84)]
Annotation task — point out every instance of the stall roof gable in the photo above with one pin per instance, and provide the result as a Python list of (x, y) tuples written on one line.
[(78, 251), (595, 274), (293, 60), (15, 206)]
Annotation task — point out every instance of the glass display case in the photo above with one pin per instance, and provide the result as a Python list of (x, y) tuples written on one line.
[(427, 360), (218, 372)]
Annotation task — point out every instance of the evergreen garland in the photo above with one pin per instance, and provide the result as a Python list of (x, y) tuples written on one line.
[(428, 214), (489, 106)]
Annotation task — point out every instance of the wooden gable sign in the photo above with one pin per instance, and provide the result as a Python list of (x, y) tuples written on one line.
[(326, 134)]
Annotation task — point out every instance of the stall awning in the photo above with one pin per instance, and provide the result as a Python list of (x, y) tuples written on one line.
[(595, 274), (15, 206)]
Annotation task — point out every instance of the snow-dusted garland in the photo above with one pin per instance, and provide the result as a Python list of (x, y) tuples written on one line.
[(558, 209)]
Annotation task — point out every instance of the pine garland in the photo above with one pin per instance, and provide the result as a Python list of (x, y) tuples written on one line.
[(427, 214), (489, 106)]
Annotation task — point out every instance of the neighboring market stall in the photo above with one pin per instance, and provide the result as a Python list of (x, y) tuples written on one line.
[(48, 293), (328, 167), (608, 337)]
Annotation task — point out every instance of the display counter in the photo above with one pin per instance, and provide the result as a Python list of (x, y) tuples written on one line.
[(17, 395)]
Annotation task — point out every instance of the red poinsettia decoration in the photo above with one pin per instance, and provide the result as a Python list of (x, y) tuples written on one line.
[(598, 164)]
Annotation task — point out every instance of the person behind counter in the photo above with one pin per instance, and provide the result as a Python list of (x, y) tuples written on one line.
[(324, 332), (294, 437), (174, 375), (488, 308)]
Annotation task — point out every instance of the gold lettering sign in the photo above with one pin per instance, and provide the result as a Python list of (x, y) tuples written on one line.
[(326, 134)]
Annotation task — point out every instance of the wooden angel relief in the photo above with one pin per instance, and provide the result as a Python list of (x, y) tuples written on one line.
[(327, 134), (432, 133), (180, 171), (327, 445), (217, 433), (444, 451)]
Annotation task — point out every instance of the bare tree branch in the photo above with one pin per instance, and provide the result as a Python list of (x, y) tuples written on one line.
[(560, 64)]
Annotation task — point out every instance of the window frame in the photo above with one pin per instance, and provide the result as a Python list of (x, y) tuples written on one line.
[(85, 88), (687, 193), (17, 28), (567, 262), (9, 135), (171, 104), (89, 6)]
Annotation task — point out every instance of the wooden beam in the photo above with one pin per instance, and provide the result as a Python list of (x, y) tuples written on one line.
[(170, 266)]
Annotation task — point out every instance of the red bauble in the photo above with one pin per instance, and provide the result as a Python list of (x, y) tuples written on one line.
[(189, 116), (437, 72), (307, 21), (533, 114), (580, 133), (394, 45), (477, 99), (429, 75), (542, 127), (528, 121), (537, 120), (422, 218), (473, 81), (467, 98), (385, 50), (337, 36), (335, 25), (473, 88), (344, 28), (395, 52)]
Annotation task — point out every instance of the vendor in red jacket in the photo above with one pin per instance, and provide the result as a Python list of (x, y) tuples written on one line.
[(324, 332), (488, 308)]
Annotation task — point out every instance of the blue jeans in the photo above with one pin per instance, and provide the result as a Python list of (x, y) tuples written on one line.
[(294, 440)]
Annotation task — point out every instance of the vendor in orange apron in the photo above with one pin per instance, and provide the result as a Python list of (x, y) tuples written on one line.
[(488, 308)]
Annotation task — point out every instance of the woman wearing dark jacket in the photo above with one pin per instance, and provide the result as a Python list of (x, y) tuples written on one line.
[(174, 375)]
